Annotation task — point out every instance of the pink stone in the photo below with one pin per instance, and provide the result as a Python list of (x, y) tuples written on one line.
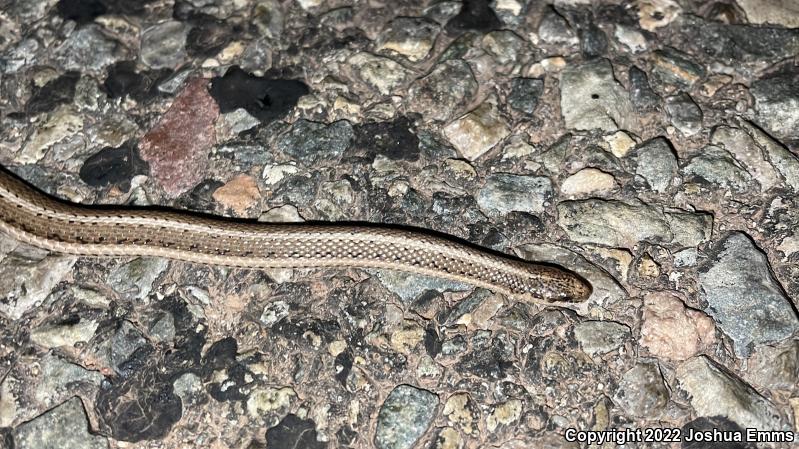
[(672, 331), (177, 146), (239, 194)]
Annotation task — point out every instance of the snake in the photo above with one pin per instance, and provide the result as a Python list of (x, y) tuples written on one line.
[(31, 216)]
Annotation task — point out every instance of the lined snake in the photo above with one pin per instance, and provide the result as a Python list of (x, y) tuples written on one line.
[(33, 217)]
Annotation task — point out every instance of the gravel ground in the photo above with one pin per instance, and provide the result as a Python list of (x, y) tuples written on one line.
[(649, 145)]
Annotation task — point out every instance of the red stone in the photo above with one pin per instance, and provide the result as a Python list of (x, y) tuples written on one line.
[(177, 146)]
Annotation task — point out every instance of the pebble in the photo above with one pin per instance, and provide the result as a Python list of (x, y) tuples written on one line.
[(381, 74), (60, 427), (554, 29), (240, 194), (164, 45), (588, 181), (737, 42), (525, 93), (590, 98), (135, 279), (282, 214), (774, 12), (176, 147), (743, 297), (777, 104), (655, 162), (404, 416), (715, 392), (783, 160), (448, 88), (89, 50), (619, 143), (775, 367), (684, 113), (504, 193), (474, 15), (504, 46), (630, 38), (654, 14), (641, 94), (600, 337), (593, 41), (748, 153), (411, 37), (29, 281), (61, 124), (56, 335), (672, 331), (310, 142), (59, 377), (410, 286), (715, 165), (671, 66), (477, 132), (642, 391), (612, 223)]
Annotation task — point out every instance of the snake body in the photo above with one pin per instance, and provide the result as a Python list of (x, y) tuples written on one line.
[(33, 217)]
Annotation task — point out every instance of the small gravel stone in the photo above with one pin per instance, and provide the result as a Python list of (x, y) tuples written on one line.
[(176, 147), (588, 181), (61, 427), (715, 165), (642, 391), (715, 392), (504, 193), (641, 94), (164, 45), (554, 29), (783, 160), (777, 104), (52, 336), (593, 41), (135, 279), (739, 42), (684, 113), (655, 161), (59, 378), (525, 93), (600, 337), (590, 97), (504, 46), (411, 37), (612, 223), (61, 124), (310, 142), (774, 12), (654, 14), (282, 214), (404, 416), (743, 147), (477, 132), (674, 67), (631, 38), (409, 286), (382, 74), (743, 297), (29, 282), (672, 331), (448, 88), (240, 194), (619, 143), (88, 49)]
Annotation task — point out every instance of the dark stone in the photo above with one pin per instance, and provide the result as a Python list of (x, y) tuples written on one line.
[(432, 341), (143, 407), (200, 197), (54, 93), (265, 99), (641, 94), (712, 423), (209, 37), (6, 439), (474, 15), (491, 358), (777, 102), (525, 93), (221, 354), (310, 142), (593, 41), (123, 79), (294, 432), (740, 43), (115, 166), (343, 366), (81, 11), (394, 140)]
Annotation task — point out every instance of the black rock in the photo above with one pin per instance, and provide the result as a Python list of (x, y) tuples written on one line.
[(641, 94), (474, 15), (81, 11), (115, 166), (123, 79), (294, 432), (525, 93), (265, 99), (208, 38), (55, 92), (593, 41), (394, 140), (711, 424)]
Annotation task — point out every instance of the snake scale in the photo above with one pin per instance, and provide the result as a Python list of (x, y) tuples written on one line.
[(33, 217)]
